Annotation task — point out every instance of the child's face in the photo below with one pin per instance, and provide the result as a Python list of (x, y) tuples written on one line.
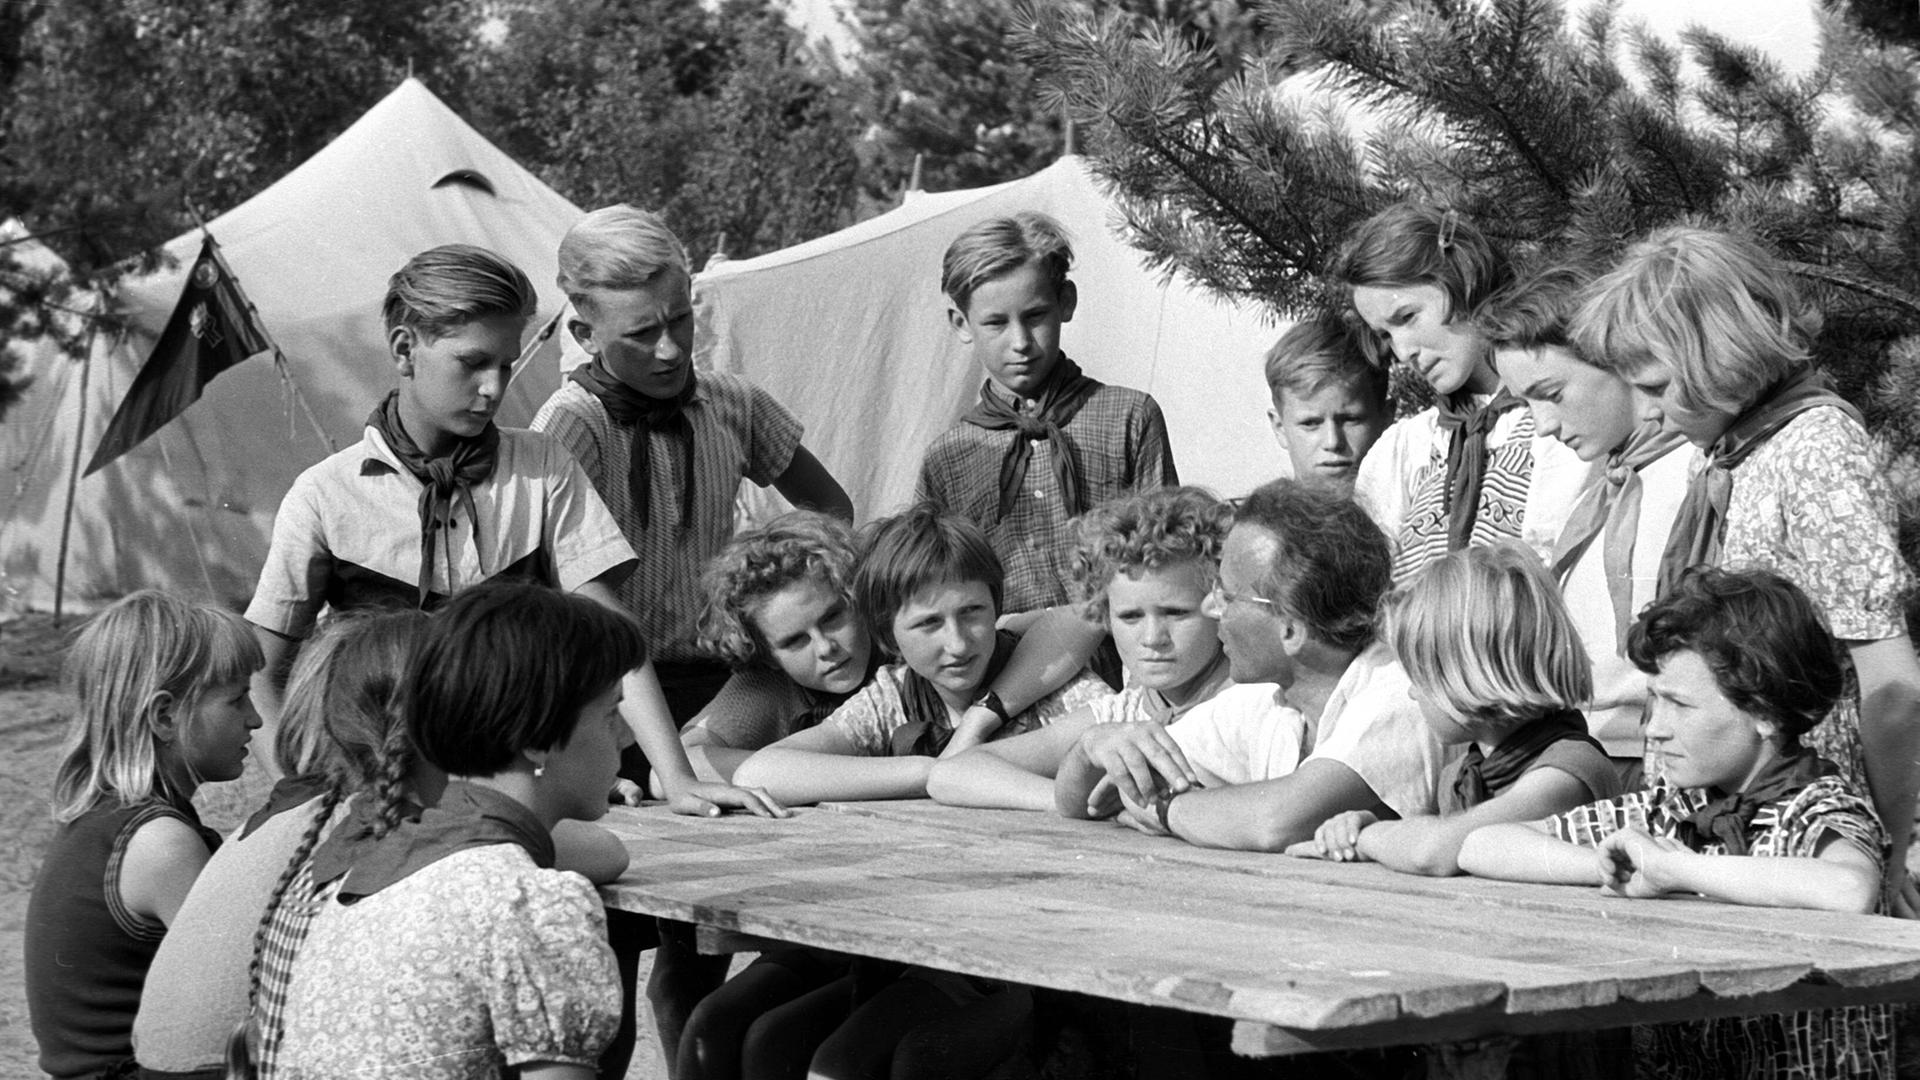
[(213, 739), (1699, 738), (1447, 352), (577, 775), (1589, 409), (945, 632), (1012, 327), (1657, 397), (454, 383), (643, 336), (1164, 639), (815, 636), (1327, 432)]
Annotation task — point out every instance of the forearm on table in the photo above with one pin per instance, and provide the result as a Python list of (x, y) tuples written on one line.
[(1521, 852), (589, 850), (801, 776), (1268, 815), (715, 763), (1421, 845), (1074, 782), (1773, 882), (982, 778)]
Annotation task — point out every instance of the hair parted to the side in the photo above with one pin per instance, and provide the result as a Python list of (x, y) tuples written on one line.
[(506, 667), (1763, 639), (1536, 311), (756, 564), (1145, 531), (1717, 310), (1485, 635), (997, 247), (916, 550), (617, 247), (147, 655), (1322, 351), (447, 287), (1412, 243), (1332, 564), (342, 696)]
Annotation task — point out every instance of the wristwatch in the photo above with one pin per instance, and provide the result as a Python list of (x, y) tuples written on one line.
[(991, 702), (1162, 801)]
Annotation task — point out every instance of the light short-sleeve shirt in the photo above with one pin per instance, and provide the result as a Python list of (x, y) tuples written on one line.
[(1372, 726), (739, 431), (347, 535), (1244, 734), (868, 719), (1528, 490)]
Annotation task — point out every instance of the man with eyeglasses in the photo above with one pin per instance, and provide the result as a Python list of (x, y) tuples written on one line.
[(1320, 721)]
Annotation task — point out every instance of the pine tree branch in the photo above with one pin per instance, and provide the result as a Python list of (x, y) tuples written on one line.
[(1841, 279)]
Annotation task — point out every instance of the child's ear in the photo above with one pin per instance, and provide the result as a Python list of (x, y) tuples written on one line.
[(163, 717), (400, 342), (1768, 731), (1069, 300), (536, 758), (958, 320), (583, 334)]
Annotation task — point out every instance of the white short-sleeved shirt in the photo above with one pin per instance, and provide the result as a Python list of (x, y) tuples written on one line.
[(1619, 688), (1373, 727), (1245, 733), (348, 533), (1531, 484)]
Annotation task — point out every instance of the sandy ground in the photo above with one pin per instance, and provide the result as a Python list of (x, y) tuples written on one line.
[(33, 715)]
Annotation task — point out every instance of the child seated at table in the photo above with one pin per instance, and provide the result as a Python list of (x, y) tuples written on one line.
[(929, 586), (1741, 669), (1143, 566), (1496, 664)]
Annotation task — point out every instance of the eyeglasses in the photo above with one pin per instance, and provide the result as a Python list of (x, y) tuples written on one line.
[(1227, 597)]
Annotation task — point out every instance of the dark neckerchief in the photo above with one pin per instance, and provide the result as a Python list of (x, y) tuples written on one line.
[(1212, 679), (1468, 425), (645, 415), (1609, 506), (1481, 775), (446, 479), (467, 816), (1701, 525), (1066, 390), (288, 792), (1726, 818), (928, 727)]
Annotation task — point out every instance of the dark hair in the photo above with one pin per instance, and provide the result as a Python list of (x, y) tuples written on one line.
[(508, 667), (911, 551), (1332, 564), (755, 565), (1325, 350), (1764, 641), (1412, 243), (1536, 311)]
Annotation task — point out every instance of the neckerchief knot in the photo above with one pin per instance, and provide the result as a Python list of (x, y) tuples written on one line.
[(645, 415), (445, 480), (1059, 400)]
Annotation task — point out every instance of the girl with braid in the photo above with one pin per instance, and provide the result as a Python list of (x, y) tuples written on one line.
[(1471, 469), (161, 706), (510, 700)]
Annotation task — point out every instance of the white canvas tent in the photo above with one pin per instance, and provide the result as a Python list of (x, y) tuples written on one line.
[(850, 332), (191, 509)]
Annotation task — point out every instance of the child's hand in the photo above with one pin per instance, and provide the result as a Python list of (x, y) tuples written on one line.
[(706, 799), (1338, 837), (1140, 759), (974, 728), (626, 793), (1142, 818), (1632, 860)]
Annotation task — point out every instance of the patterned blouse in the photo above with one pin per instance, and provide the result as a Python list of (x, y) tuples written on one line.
[(1814, 505), (467, 969), (1855, 1041), (869, 717)]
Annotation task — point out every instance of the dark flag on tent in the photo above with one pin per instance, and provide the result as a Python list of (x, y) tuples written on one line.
[(212, 328)]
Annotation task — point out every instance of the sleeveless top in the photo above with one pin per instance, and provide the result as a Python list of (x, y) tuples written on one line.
[(86, 954)]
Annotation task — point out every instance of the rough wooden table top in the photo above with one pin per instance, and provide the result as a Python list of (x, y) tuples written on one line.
[(1305, 955)]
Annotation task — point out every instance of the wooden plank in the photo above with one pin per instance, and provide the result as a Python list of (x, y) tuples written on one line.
[(1253, 1039)]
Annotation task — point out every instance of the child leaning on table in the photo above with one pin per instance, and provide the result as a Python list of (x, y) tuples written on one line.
[(1741, 669), (929, 587), (1497, 665)]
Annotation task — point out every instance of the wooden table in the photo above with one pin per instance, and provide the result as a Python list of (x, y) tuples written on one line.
[(1303, 955)]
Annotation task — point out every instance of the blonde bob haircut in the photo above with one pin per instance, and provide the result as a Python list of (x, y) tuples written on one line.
[(1147, 531), (1718, 311), (1484, 634), (792, 549), (617, 247), (149, 656)]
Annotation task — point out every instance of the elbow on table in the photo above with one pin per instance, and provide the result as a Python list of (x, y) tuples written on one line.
[(1855, 893), (946, 781), (1433, 856), (757, 771)]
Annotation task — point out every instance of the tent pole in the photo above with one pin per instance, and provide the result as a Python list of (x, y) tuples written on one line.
[(73, 474)]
